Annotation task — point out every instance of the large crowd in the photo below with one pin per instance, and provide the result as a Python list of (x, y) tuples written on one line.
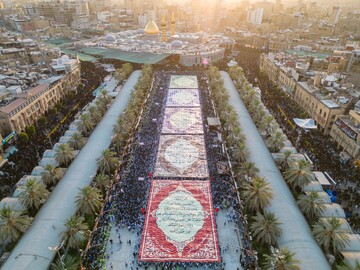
[(129, 195), (320, 148)]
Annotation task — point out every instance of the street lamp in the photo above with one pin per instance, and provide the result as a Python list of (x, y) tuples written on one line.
[(57, 249)]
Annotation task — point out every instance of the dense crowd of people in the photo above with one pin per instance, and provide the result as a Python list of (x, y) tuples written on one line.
[(129, 195), (320, 148)]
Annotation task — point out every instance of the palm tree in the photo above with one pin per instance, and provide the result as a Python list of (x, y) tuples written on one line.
[(286, 159), (102, 181), (258, 115), (257, 194), (247, 169), (77, 141), (95, 113), (265, 124), (77, 231), (235, 137), (107, 162), (64, 154), (51, 175), (69, 263), (249, 96), (88, 200), (329, 234), (348, 266), (33, 194), (265, 228), (86, 123), (311, 205), (298, 174), (276, 141), (12, 224), (240, 152), (281, 259)]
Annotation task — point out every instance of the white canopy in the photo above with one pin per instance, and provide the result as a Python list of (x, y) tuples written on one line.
[(305, 123)]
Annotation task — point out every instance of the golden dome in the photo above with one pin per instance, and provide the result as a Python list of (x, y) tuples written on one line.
[(151, 28)]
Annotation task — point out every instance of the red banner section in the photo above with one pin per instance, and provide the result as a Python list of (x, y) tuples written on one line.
[(180, 224)]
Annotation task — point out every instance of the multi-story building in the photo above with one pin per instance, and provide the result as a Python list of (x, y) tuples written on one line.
[(353, 68), (334, 15), (346, 133), (270, 66), (255, 16), (323, 109), (25, 107)]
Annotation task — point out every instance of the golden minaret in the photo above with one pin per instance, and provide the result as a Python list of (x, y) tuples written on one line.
[(163, 26)]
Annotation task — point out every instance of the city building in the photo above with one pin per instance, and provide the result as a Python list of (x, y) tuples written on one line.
[(255, 16), (22, 107), (334, 15), (346, 132), (322, 108)]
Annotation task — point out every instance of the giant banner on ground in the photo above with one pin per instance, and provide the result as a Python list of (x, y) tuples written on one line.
[(182, 121), (183, 81), (179, 224), (181, 156), (183, 98)]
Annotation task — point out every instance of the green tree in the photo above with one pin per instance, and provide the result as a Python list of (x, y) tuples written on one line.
[(266, 124), (330, 235), (30, 130), (298, 174), (102, 182), (286, 159), (51, 175), (265, 228), (95, 113), (348, 266), (77, 232), (282, 259), (276, 141), (23, 137), (69, 263), (247, 169), (12, 224), (64, 154), (88, 200), (127, 68), (42, 121), (240, 152), (77, 141), (33, 194), (86, 124), (257, 194), (107, 162), (311, 205)]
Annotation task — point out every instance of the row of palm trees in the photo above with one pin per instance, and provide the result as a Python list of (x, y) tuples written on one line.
[(34, 193), (255, 190), (109, 163), (328, 232), (90, 198)]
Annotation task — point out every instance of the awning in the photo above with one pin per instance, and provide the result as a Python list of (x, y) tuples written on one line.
[(305, 123)]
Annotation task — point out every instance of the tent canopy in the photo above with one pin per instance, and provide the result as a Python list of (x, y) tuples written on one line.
[(305, 123)]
